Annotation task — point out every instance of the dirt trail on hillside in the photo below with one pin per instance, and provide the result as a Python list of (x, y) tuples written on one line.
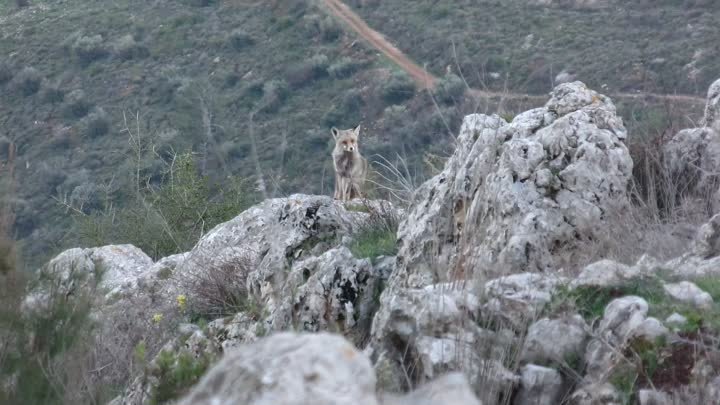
[(422, 77), (425, 80)]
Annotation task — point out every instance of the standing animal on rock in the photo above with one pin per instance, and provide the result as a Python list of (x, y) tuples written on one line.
[(350, 166)]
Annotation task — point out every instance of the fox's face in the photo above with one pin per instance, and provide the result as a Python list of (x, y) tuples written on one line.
[(346, 139)]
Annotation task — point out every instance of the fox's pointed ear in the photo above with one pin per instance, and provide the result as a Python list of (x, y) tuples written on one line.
[(357, 130), (335, 132)]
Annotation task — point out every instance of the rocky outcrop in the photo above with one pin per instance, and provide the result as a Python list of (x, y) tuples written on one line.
[(286, 259), (556, 341), (517, 196), (514, 198), (479, 306), (692, 156)]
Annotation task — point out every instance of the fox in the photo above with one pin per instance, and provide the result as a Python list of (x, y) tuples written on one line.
[(350, 166)]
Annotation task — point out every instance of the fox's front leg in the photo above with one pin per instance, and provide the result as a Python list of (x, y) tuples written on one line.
[(338, 187)]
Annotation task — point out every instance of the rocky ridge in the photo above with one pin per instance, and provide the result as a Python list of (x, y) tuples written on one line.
[(488, 281)]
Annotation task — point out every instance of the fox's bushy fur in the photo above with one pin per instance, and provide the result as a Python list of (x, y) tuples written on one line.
[(350, 167)]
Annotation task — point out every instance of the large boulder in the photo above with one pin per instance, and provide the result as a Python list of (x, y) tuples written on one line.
[(556, 341), (539, 386), (692, 156), (449, 389), (512, 200), (304, 369), (517, 196), (289, 368), (712, 107)]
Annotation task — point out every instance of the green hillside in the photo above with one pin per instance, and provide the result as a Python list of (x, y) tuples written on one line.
[(668, 46), (280, 73), (252, 88)]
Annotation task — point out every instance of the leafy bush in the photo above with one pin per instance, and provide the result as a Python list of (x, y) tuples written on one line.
[(324, 27), (398, 88), (44, 349), (27, 81), (176, 373), (239, 39), (126, 48), (347, 112), (450, 88), (377, 237), (89, 49), (344, 67), (219, 289), (274, 94), (76, 104), (306, 72), (6, 73), (96, 123), (169, 219), (329, 29), (50, 93)]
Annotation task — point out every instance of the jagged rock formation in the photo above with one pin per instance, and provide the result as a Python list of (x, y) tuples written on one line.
[(513, 198), (517, 196), (478, 286), (692, 156)]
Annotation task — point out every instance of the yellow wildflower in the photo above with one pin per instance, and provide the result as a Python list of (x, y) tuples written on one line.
[(157, 318), (182, 301)]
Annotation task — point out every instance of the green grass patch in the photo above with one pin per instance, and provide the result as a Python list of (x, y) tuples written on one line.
[(591, 301), (176, 374), (374, 242)]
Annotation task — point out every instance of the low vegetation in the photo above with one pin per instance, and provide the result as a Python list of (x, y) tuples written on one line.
[(377, 237), (176, 373)]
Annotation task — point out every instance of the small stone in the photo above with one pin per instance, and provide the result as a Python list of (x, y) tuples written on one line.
[(539, 386), (676, 320), (689, 293)]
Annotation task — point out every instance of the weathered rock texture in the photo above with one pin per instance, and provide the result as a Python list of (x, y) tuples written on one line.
[(305, 369), (518, 196), (692, 156), (515, 197)]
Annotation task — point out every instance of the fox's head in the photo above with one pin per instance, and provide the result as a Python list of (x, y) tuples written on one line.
[(346, 139)]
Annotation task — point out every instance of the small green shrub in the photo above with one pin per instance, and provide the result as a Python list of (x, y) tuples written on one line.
[(329, 29), (75, 105), (96, 123), (51, 94), (343, 68), (89, 49), (6, 73), (378, 237), (59, 331), (398, 88), (274, 94), (239, 39), (126, 48), (307, 72), (347, 112), (170, 218), (27, 81), (176, 374), (450, 89)]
